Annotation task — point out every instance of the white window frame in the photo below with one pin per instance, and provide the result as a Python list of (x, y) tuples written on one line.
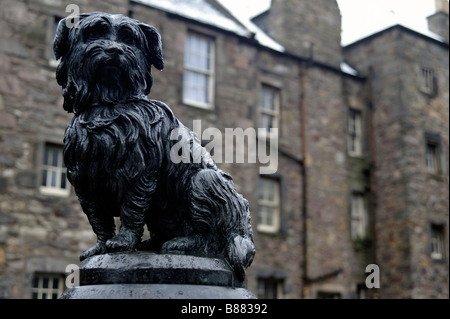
[(436, 243), (209, 73), (359, 216), (272, 204), (53, 172), (268, 107), (38, 291), (354, 132)]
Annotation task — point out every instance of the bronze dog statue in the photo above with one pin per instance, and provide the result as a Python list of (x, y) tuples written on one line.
[(117, 150)]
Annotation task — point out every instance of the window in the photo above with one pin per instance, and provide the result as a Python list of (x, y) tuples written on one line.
[(198, 81), (54, 176), (437, 242), (269, 105), (432, 156), (359, 217), (270, 288), (47, 286), (354, 133), (268, 205), (427, 84)]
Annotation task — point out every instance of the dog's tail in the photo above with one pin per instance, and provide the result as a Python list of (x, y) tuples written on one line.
[(222, 213), (240, 253)]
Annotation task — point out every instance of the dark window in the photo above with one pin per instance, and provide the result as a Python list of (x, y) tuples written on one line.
[(47, 286), (270, 288)]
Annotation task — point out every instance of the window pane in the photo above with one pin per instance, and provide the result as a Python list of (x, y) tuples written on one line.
[(45, 281), (35, 282), (263, 215), (266, 215), (268, 99), (271, 192), (271, 288), (195, 86), (269, 216), (55, 283), (44, 177), (46, 156), (63, 180), (54, 157), (268, 204), (359, 218), (268, 112), (265, 189), (351, 123), (197, 75), (354, 139), (266, 121), (34, 295), (352, 143), (431, 157), (427, 80), (436, 241), (197, 52), (53, 179), (259, 217), (261, 190), (202, 88)]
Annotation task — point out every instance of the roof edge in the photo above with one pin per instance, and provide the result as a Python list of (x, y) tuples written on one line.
[(391, 28)]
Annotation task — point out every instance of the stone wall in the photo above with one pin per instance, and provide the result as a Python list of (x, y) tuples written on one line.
[(38, 232), (42, 233), (408, 198), (240, 71)]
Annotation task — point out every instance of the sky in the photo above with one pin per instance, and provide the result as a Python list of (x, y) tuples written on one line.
[(359, 17)]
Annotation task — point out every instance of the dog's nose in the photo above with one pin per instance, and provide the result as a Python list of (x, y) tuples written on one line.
[(114, 49)]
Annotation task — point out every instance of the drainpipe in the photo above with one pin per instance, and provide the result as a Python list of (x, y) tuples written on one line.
[(372, 166), (304, 205)]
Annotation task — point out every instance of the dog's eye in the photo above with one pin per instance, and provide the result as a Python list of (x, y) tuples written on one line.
[(127, 38), (95, 32)]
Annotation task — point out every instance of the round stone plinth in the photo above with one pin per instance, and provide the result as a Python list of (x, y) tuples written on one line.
[(156, 291), (141, 275)]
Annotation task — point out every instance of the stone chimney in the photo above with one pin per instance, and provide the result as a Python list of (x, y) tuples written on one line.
[(307, 28), (438, 22)]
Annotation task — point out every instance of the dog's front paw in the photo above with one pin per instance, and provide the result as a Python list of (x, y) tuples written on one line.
[(181, 244), (98, 249), (124, 241)]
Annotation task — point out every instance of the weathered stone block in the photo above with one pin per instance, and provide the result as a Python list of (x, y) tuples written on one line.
[(26, 179)]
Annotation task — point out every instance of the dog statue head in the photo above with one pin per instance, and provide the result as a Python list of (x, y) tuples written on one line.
[(105, 59)]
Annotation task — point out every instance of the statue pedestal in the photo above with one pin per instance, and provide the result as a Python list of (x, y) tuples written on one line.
[(144, 275)]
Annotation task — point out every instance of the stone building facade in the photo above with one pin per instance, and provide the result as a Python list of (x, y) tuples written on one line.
[(361, 158)]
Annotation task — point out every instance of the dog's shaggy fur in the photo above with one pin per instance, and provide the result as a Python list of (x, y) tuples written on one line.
[(117, 150)]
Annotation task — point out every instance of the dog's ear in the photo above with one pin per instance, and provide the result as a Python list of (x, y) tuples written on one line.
[(154, 44), (60, 44)]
